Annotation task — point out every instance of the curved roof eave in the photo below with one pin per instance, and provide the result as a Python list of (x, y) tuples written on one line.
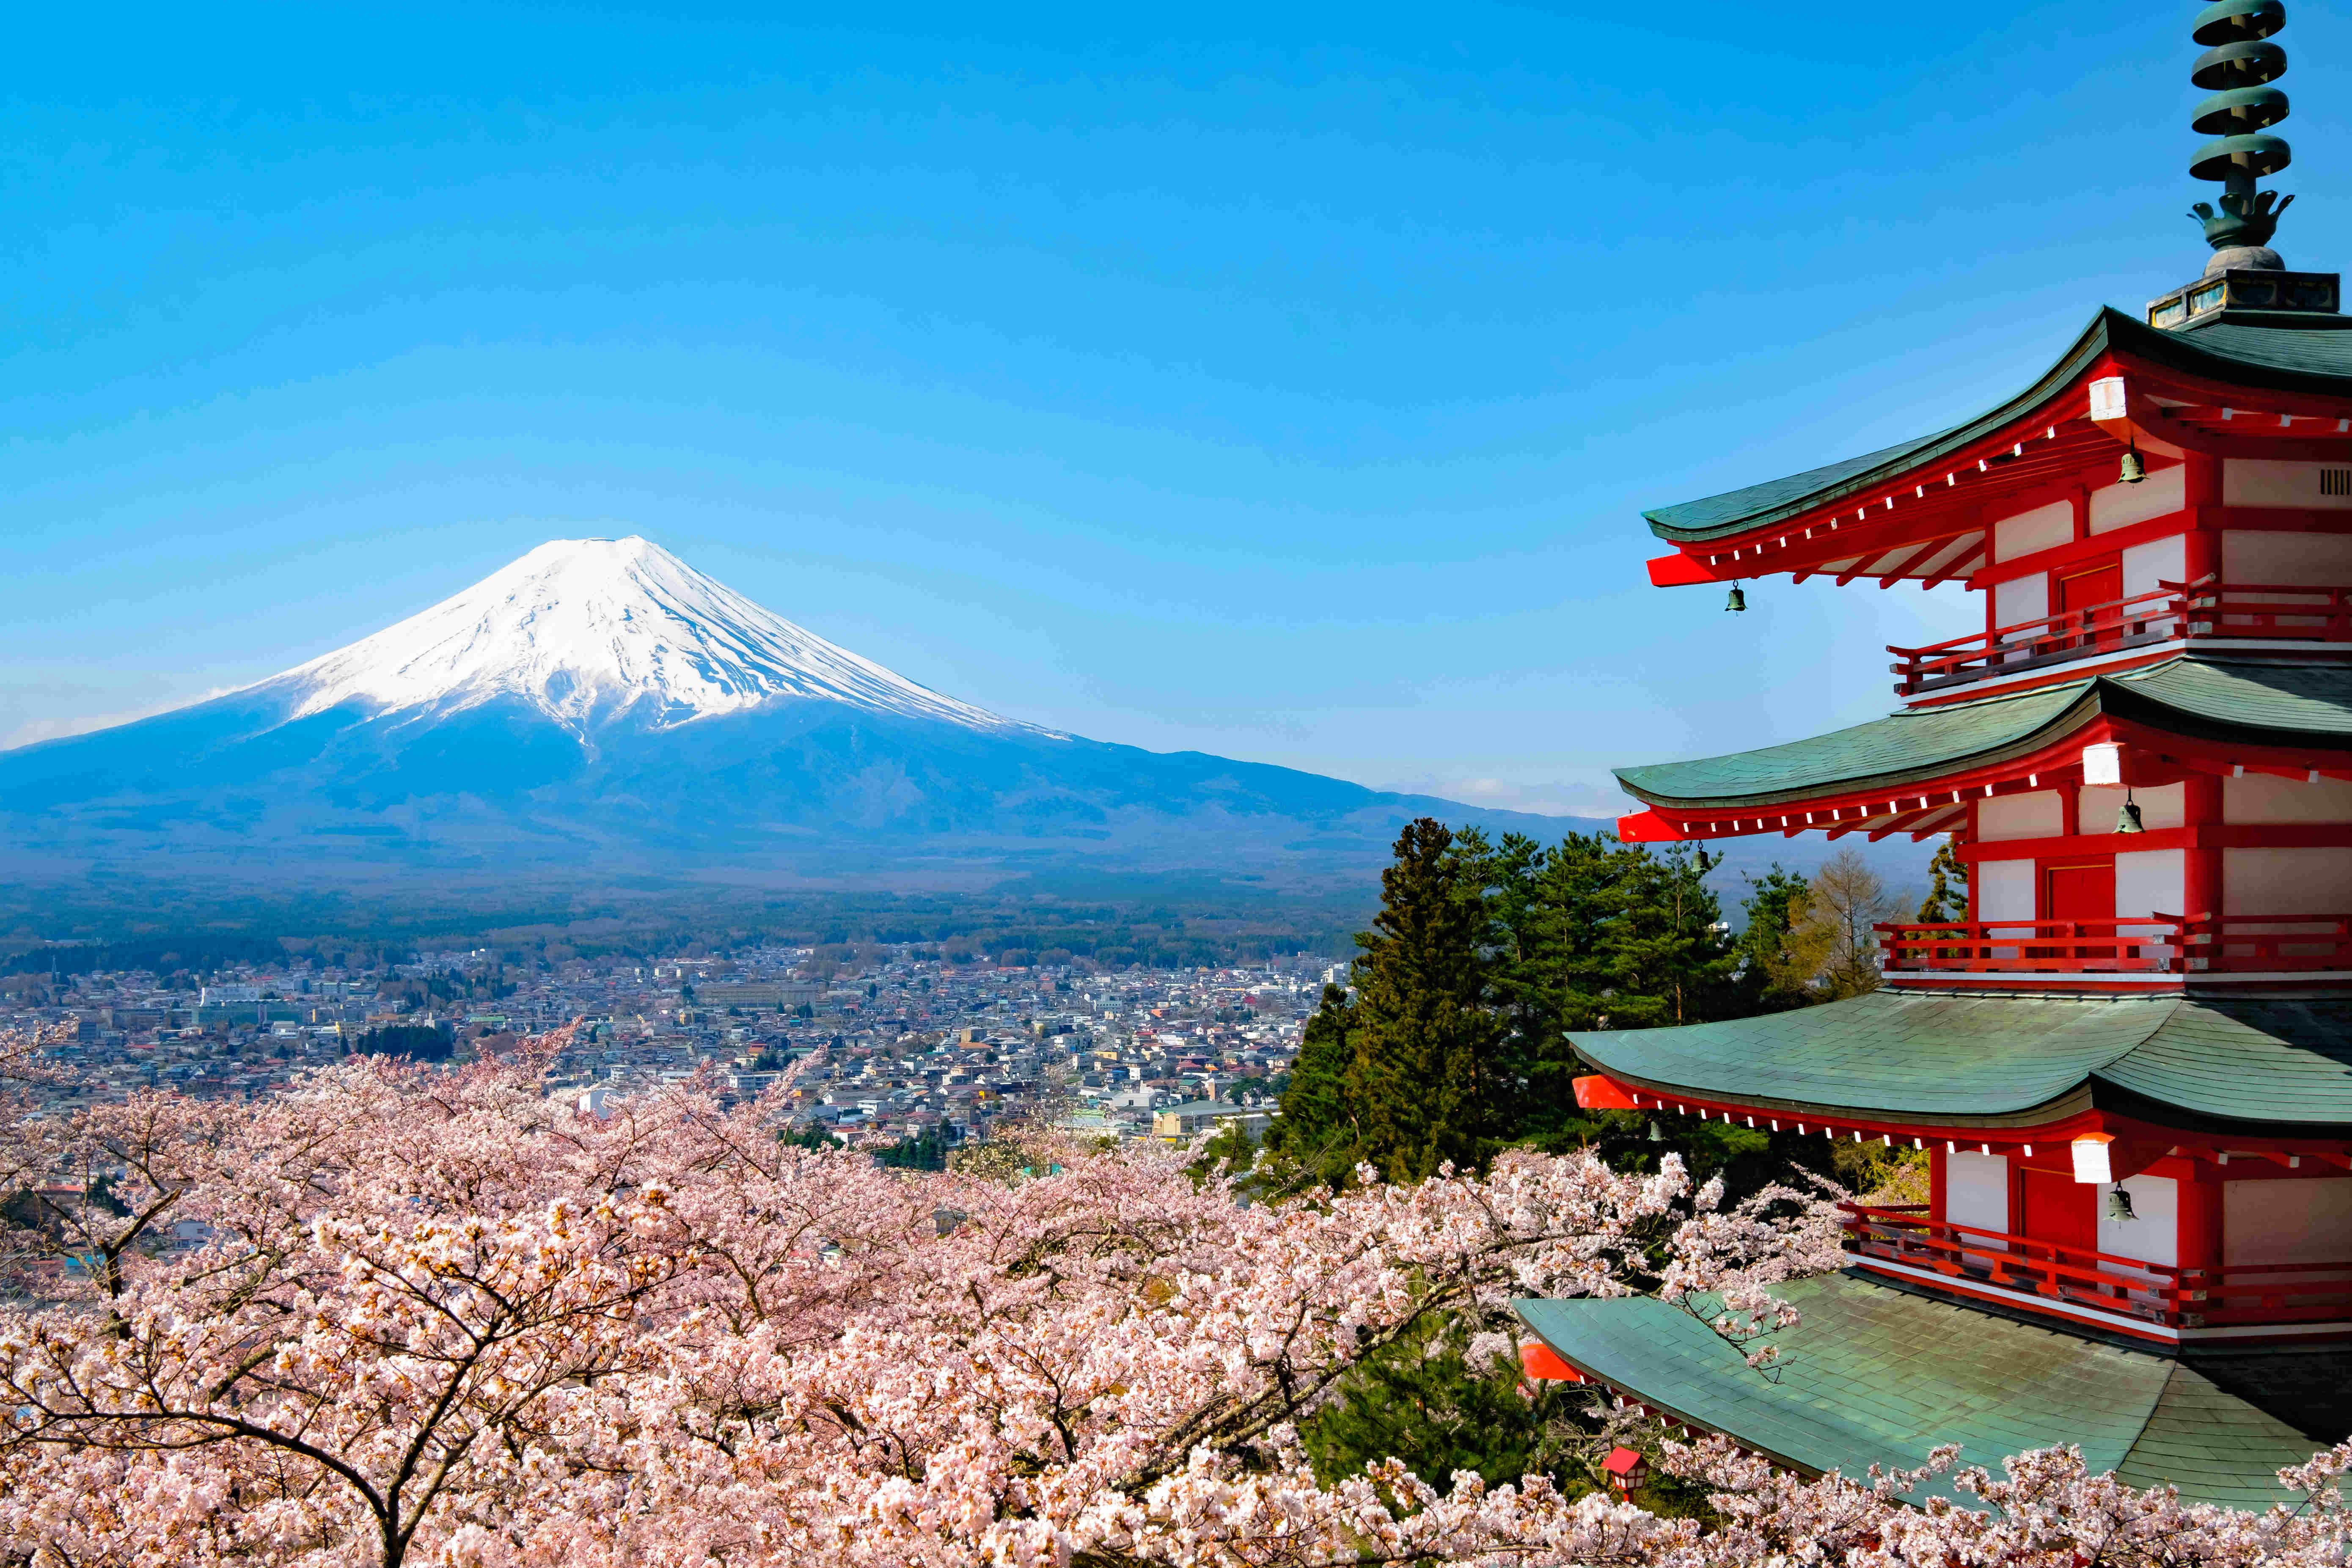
[(2222, 701), (2273, 1065), (1656, 784), (1775, 500)]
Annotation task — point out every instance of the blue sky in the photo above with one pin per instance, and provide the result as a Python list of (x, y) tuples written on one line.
[(1284, 383)]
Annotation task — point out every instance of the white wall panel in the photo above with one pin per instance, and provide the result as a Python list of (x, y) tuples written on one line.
[(1976, 1191), (2261, 482), (2263, 798), (2158, 561), (2037, 530), (2163, 807), (2324, 560), (2286, 881), (2038, 816), (2004, 890), (2021, 599), (2153, 1233), (2148, 881), (2119, 506), (2287, 1221)]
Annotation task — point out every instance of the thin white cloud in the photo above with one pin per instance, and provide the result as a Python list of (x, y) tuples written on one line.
[(1561, 798), (33, 732)]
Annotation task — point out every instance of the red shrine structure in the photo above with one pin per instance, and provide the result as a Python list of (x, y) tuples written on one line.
[(2130, 1065)]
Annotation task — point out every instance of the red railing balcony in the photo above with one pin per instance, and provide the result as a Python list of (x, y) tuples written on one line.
[(2145, 944), (2237, 1294), (2169, 611)]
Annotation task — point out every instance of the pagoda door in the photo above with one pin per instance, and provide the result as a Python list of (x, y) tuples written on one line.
[(2083, 592), (2085, 893), (2061, 1214)]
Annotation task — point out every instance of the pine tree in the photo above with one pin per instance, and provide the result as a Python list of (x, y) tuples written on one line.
[(1767, 978), (1425, 1084), (1317, 1129), (1668, 955), (1947, 895)]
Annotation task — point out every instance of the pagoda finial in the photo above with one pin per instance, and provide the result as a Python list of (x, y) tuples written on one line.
[(2237, 67)]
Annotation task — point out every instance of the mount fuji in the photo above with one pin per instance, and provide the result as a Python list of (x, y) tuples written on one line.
[(599, 709)]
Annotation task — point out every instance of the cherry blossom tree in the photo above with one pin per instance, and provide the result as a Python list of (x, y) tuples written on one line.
[(443, 1318)]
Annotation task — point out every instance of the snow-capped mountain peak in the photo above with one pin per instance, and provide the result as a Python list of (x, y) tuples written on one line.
[(587, 630)]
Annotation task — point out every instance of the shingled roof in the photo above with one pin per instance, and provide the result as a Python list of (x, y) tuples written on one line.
[(2009, 1061), (2251, 701), (2289, 359), (1878, 1376)]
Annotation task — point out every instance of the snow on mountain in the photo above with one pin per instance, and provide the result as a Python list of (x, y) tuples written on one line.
[(590, 630)]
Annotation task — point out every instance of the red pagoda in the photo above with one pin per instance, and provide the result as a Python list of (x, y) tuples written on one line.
[(2130, 1065)]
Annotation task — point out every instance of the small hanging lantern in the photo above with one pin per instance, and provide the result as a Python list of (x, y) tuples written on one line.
[(1625, 1468), (2133, 469), (1738, 602)]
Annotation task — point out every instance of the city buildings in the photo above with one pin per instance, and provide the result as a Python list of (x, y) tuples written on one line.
[(874, 1045)]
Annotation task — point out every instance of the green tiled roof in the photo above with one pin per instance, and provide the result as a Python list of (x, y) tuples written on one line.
[(1874, 1374), (2251, 701), (2008, 1062), (2292, 359)]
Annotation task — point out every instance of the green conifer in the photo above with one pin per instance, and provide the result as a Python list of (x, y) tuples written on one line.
[(1317, 1129), (1425, 1083)]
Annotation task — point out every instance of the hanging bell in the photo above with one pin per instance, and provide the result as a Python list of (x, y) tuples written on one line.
[(1656, 1136), (1738, 600), (2127, 819), (2133, 469)]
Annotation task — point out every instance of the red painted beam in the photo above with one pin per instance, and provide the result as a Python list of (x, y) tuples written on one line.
[(1679, 571), (1649, 827), (1540, 1362), (1596, 1092)]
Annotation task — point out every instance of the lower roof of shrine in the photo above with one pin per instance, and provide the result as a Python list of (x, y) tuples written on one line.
[(2281, 1068), (1872, 1374)]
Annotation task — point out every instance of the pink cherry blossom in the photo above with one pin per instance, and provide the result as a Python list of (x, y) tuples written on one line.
[(439, 1317)]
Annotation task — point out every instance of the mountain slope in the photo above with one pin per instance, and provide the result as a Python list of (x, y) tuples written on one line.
[(599, 708)]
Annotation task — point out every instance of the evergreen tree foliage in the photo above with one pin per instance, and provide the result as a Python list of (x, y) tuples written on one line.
[(1767, 979), (418, 1042), (924, 1152), (1316, 1130), (1947, 892), (1484, 955), (1420, 1401), (1424, 1084)]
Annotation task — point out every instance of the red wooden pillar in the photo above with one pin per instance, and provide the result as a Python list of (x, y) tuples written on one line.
[(2200, 871), (2203, 545), (2201, 1214), (1939, 1178)]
